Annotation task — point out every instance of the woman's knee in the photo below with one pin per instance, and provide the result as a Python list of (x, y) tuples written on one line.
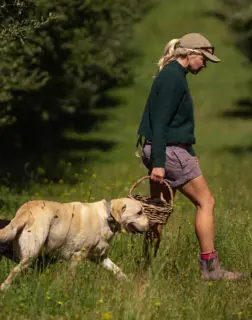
[(208, 202)]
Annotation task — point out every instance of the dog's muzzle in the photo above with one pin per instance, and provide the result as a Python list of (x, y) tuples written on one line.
[(131, 228)]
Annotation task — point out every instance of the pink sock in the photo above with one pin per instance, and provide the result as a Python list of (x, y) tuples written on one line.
[(208, 255)]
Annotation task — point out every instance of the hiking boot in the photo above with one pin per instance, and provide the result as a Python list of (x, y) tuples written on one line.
[(212, 270)]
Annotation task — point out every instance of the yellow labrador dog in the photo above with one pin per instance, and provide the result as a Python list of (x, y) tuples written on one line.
[(74, 231)]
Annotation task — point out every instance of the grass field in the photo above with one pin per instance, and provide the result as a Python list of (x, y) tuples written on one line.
[(172, 288)]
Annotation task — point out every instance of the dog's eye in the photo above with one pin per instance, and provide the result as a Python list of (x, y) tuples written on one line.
[(140, 212)]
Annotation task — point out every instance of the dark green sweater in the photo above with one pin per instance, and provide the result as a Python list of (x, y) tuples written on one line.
[(168, 118)]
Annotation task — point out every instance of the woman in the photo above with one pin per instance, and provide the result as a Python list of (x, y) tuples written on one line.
[(168, 127)]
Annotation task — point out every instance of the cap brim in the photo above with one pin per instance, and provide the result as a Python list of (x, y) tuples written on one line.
[(210, 56)]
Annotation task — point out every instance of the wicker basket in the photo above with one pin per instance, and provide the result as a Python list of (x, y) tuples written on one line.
[(157, 210)]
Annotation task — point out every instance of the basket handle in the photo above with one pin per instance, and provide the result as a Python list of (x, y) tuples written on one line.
[(148, 177)]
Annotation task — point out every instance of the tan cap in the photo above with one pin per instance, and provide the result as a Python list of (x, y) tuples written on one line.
[(200, 43)]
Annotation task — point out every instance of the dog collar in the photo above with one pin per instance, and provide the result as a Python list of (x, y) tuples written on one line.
[(110, 217), (113, 225)]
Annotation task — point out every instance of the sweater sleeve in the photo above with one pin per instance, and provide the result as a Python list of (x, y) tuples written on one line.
[(169, 94)]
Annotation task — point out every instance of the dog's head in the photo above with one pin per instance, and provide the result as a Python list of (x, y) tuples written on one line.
[(129, 214)]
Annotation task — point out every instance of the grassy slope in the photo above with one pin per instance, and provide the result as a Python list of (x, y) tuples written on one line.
[(175, 290)]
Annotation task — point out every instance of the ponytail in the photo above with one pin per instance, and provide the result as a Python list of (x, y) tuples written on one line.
[(168, 53)]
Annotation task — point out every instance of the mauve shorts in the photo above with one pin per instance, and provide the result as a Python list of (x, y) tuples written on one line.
[(180, 166)]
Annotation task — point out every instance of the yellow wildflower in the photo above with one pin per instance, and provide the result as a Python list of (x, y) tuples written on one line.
[(107, 316), (100, 301)]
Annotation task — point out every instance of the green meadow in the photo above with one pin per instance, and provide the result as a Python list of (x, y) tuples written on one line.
[(172, 287)]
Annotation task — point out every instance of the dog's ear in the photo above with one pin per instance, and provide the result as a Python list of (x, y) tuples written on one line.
[(117, 209)]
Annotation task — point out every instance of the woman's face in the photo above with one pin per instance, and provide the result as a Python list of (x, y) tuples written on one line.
[(196, 63)]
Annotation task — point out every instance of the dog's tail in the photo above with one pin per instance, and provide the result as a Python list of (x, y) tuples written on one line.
[(16, 224)]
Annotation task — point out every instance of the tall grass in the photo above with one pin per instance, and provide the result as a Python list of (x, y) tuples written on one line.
[(172, 288)]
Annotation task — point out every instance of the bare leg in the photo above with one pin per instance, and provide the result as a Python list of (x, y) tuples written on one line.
[(109, 265), (20, 267), (198, 192)]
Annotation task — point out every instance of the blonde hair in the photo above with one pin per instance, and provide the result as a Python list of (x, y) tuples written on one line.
[(172, 51)]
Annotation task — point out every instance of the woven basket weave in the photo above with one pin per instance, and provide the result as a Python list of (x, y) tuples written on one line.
[(157, 210)]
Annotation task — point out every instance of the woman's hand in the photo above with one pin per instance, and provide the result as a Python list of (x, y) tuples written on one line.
[(157, 175)]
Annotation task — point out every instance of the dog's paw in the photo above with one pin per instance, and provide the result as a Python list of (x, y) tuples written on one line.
[(121, 276), (4, 287)]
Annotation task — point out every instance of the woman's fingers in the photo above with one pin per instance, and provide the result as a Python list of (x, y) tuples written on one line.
[(157, 174)]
